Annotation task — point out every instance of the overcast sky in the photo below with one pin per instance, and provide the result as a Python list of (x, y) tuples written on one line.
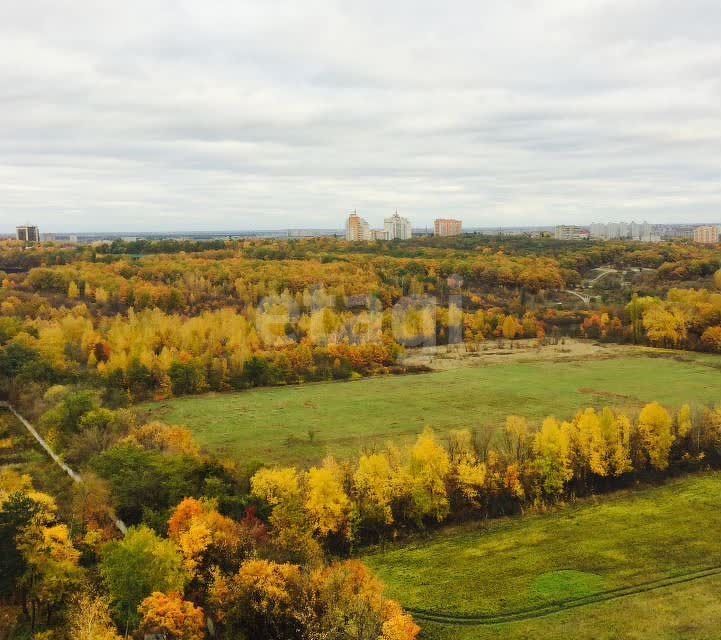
[(272, 114)]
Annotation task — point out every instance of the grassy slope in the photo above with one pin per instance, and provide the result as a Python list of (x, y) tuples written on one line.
[(688, 611), (626, 539), (273, 424)]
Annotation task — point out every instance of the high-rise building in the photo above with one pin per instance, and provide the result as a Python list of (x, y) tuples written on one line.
[(356, 228), (27, 233), (624, 231), (379, 234), (599, 231), (645, 232), (706, 234), (447, 227), (398, 228), (614, 230)]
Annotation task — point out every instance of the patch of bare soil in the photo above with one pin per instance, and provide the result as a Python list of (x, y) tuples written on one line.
[(444, 357)]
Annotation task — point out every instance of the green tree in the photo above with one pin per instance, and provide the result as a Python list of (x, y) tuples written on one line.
[(145, 481), (16, 514), (184, 378), (138, 565), (66, 416)]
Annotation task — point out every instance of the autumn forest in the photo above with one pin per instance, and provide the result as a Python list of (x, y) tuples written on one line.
[(143, 526)]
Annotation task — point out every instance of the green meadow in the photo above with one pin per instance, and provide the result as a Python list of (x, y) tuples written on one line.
[(301, 424), (686, 611), (652, 551)]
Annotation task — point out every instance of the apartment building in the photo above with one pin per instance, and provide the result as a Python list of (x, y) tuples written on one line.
[(398, 228), (570, 232), (447, 227), (706, 235), (28, 233), (357, 229)]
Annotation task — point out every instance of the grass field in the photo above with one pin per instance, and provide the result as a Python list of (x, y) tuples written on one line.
[(632, 540), (301, 424), (689, 611)]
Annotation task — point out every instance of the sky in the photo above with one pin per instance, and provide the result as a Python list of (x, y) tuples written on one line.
[(160, 116)]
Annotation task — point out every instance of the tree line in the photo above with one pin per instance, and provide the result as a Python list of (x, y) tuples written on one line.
[(388, 492)]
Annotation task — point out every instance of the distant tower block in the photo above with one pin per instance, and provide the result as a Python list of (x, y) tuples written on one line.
[(27, 233), (397, 227), (356, 228), (447, 227)]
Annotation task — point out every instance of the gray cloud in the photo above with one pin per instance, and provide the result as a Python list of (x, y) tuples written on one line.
[(171, 115)]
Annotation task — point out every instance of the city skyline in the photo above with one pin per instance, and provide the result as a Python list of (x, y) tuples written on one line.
[(203, 118), (339, 229)]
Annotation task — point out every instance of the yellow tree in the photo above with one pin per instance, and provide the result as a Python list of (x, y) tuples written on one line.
[(89, 619), (623, 429), (262, 600), (684, 421), (327, 503), (162, 437), (552, 449), (276, 486), (52, 574), (101, 295), (469, 474), (429, 469), (517, 439), (665, 327), (711, 339), (291, 532), (206, 537), (600, 443), (655, 431), (349, 603), (171, 616), (511, 328), (398, 625), (373, 484)]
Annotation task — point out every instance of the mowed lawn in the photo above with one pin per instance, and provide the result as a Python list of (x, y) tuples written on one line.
[(620, 540), (301, 424)]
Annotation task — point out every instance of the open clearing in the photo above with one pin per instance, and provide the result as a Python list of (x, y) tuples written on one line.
[(649, 546), (301, 424)]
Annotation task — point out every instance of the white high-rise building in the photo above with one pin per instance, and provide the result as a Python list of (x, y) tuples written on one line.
[(624, 231), (645, 232), (598, 231), (398, 228)]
